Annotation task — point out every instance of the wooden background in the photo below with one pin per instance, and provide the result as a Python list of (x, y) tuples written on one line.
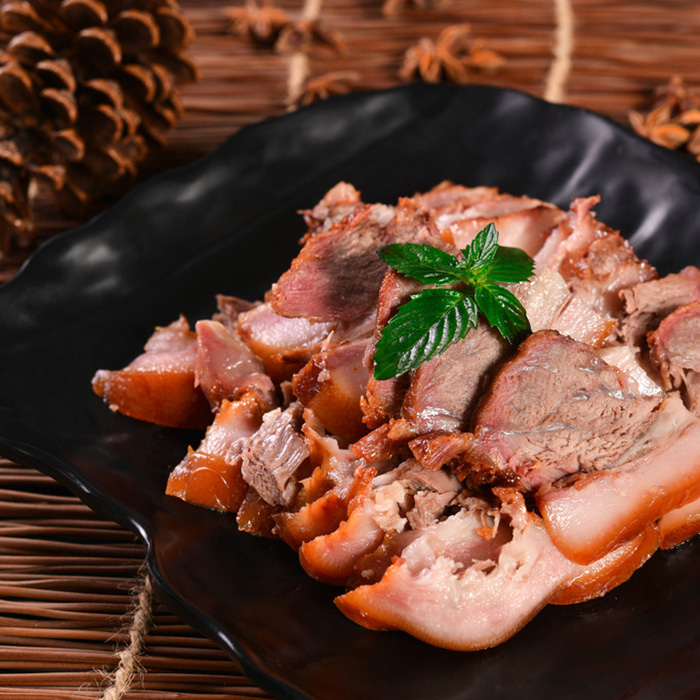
[(77, 618)]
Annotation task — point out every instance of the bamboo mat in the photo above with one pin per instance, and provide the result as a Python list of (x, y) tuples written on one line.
[(77, 617)]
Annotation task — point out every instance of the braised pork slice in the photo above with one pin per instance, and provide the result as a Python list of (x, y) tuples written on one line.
[(159, 385), (557, 408), (443, 198), (608, 572), (647, 303), (321, 504), (597, 264), (443, 392), (283, 344), (382, 506), (594, 513), (331, 384), (226, 368), (337, 275), (679, 524), (675, 350), (229, 308), (447, 597), (522, 222), (210, 476)]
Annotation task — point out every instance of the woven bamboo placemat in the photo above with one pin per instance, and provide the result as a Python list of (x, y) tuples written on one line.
[(77, 616)]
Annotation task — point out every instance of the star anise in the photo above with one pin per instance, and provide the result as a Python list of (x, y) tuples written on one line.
[(305, 34), (326, 85), (674, 121), (677, 95), (449, 58), (260, 21)]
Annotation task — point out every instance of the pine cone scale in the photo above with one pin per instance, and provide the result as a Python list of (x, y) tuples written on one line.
[(80, 14), (56, 74), (16, 92), (136, 31), (59, 106)]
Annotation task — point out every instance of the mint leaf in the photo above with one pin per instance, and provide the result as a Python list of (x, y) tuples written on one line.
[(479, 254), (511, 265), (502, 309), (423, 327), (433, 319), (421, 262)]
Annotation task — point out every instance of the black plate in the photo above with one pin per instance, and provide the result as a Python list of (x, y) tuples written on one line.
[(88, 300)]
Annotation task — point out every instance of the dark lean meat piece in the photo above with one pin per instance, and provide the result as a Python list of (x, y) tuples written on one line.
[(337, 275), (557, 408), (443, 392)]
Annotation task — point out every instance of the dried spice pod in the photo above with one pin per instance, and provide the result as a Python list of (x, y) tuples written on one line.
[(306, 34), (86, 87), (260, 21), (326, 85), (674, 119), (449, 58)]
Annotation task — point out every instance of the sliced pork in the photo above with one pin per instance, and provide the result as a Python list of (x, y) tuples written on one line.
[(443, 392), (337, 275), (457, 500), (210, 476), (590, 516), (273, 455), (336, 204), (159, 385), (383, 397), (522, 222), (679, 524), (447, 196), (229, 309), (331, 384), (647, 303), (598, 265), (225, 367), (557, 408), (283, 344), (675, 351), (468, 599)]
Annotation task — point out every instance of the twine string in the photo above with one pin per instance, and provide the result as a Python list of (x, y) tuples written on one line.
[(123, 677), (563, 49)]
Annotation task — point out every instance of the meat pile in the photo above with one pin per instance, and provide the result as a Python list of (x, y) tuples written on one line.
[(456, 501)]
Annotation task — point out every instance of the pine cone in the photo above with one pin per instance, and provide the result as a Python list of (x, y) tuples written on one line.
[(86, 87)]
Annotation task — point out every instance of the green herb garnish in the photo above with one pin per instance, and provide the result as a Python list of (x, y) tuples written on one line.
[(430, 321)]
